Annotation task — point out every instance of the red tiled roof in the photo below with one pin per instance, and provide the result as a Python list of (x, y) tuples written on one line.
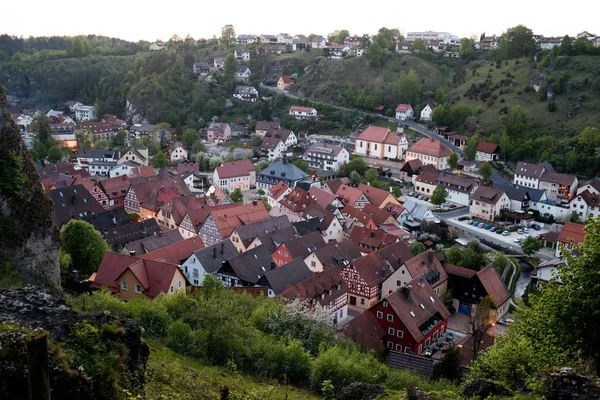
[(455, 270), (494, 286), (370, 238), (286, 79), (403, 107), (424, 264), (348, 194), (270, 142), (430, 147), (357, 215), (379, 215), (115, 187), (375, 195), (365, 330), (277, 190), (234, 169), (176, 252), (302, 109), (232, 217), (487, 195), (572, 232), (297, 200), (487, 147), (322, 197), (428, 177), (374, 134)]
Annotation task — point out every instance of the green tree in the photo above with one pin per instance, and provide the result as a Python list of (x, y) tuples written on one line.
[(530, 245), (517, 42), (408, 87), (566, 47), (338, 36), (227, 36), (159, 160), (471, 148), (485, 170), (500, 262), (376, 55), (371, 175), (77, 48), (197, 147), (467, 48), (101, 144), (118, 140), (419, 45), (189, 137), (237, 195), (439, 195), (84, 244), (449, 367), (589, 140), (303, 165), (356, 164), (260, 192), (54, 154), (265, 201), (453, 160), (355, 178), (417, 248)]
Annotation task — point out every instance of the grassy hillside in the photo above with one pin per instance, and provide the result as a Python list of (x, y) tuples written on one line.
[(509, 87)]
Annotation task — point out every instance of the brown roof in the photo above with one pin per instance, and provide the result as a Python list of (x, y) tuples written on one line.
[(456, 183), (372, 269), (270, 142), (375, 195), (318, 285), (234, 169), (266, 125), (396, 254), (374, 134), (466, 347), (322, 197), (487, 147), (590, 198), (494, 286), (561, 179), (455, 270), (160, 197), (486, 194), (180, 205), (155, 277), (115, 187), (297, 200), (357, 215), (422, 302), (572, 232), (282, 134), (334, 184), (144, 186), (430, 147), (379, 215), (428, 177), (365, 330), (403, 107), (286, 79), (302, 109), (176, 252), (368, 239), (529, 170), (348, 195), (426, 265), (232, 217)]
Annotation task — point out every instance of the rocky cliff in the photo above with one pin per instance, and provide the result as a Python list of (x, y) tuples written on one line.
[(28, 237)]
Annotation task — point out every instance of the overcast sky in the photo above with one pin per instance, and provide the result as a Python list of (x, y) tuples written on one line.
[(151, 20)]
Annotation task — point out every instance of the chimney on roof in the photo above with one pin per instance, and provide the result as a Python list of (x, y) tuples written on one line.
[(254, 202), (215, 252), (222, 247), (406, 291), (273, 265)]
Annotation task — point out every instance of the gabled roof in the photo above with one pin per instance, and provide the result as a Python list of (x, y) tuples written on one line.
[(115, 187), (239, 214), (247, 233), (561, 179), (430, 147), (302, 109), (334, 184), (375, 195), (278, 190), (316, 286), (108, 219), (348, 195), (73, 202), (161, 197), (282, 134), (494, 286), (395, 254), (286, 170), (154, 242), (529, 170), (377, 239), (365, 330), (403, 107), (372, 269), (519, 193), (212, 257), (418, 299), (272, 240), (305, 245), (288, 274), (462, 272), (297, 201), (175, 253), (233, 169), (119, 236), (427, 266), (374, 134), (486, 194), (572, 232), (266, 125), (357, 215), (154, 277), (307, 226), (338, 254), (252, 265), (286, 79), (591, 199), (324, 148), (144, 186), (322, 197), (181, 205), (487, 147)]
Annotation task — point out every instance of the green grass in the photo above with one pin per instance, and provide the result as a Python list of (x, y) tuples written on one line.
[(171, 376), (384, 123)]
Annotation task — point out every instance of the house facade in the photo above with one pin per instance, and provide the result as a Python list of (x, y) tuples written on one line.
[(235, 174), (280, 171), (326, 157), (487, 151), (283, 82), (177, 152), (404, 112), (429, 151), (426, 112), (301, 113), (218, 132), (379, 143), (272, 148), (487, 203), (245, 93)]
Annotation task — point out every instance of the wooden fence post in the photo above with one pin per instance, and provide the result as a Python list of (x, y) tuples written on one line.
[(38, 376)]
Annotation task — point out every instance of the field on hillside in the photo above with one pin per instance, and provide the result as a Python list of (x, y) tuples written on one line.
[(509, 85)]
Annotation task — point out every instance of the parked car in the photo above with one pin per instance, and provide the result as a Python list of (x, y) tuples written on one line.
[(452, 206), (505, 233), (506, 321), (499, 232), (536, 227), (411, 194), (525, 230), (475, 223), (421, 197), (520, 231), (518, 240), (493, 229), (469, 222)]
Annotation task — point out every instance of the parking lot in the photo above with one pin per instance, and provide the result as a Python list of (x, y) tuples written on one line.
[(506, 241)]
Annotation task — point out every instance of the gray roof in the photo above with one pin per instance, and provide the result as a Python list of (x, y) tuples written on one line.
[(91, 153), (155, 242), (248, 233), (252, 265), (108, 219), (212, 257), (518, 193), (423, 366), (272, 240), (307, 226), (291, 273), (305, 245), (286, 170)]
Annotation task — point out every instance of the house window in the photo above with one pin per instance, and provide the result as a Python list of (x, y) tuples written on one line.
[(390, 345), (435, 336), (391, 331), (362, 302), (385, 303), (172, 289), (428, 342), (400, 333), (124, 285), (313, 264), (420, 348), (398, 283), (138, 289), (390, 317), (379, 315), (399, 347), (407, 350), (179, 284)]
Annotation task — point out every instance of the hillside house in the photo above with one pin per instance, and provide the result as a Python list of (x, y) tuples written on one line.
[(284, 82), (235, 174), (380, 143), (487, 203), (177, 152), (301, 113), (429, 151), (404, 112), (427, 111), (218, 132)]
